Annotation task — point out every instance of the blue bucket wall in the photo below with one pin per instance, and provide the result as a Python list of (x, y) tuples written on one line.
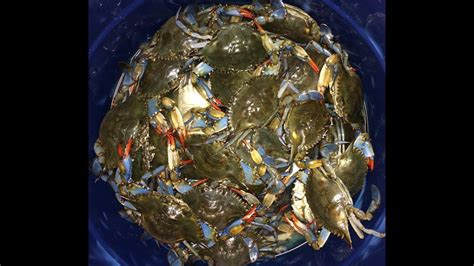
[(117, 27)]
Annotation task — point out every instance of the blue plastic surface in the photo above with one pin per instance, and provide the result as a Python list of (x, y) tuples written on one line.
[(117, 27)]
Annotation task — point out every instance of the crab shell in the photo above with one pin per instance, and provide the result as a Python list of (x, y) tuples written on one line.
[(235, 47), (170, 40), (160, 77), (348, 96), (230, 252), (306, 124), (328, 199), (255, 103), (210, 161), (225, 84), (167, 218), (217, 206)]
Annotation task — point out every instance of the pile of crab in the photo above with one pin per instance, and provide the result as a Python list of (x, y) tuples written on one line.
[(234, 131)]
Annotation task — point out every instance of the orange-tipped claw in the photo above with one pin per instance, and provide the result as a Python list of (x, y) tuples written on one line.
[(132, 87), (170, 138), (217, 101), (370, 164), (128, 147), (246, 13), (182, 136), (215, 106), (197, 183), (260, 29), (237, 191), (250, 216), (314, 66), (158, 130), (186, 162), (120, 150), (283, 208)]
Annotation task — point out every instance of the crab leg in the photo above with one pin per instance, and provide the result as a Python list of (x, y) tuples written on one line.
[(248, 197), (186, 30), (358, 224), (178, 124)]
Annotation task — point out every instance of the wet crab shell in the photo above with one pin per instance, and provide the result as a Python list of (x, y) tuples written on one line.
[(300, 75), (170, 41), (255, 103), (306, 124), (217, 206), (230, 252), (167, 218), (160, 77), (210, 161), (348, 97), (235, 47), (268, 139), (225, 84)]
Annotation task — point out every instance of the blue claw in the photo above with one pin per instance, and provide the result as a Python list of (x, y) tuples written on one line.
[(138, 191), (279, 14), (152, 107), (127, 163), (173, 258), (202, 69), (164, 189), (125, 216), (310, 95), (277, 4), (365, 146), (207, 232), (189, 12), (182, 187), (226, 231), (96, 167), (129, 205), (327, 149), (253, 248), (221, 124), (158, 170)]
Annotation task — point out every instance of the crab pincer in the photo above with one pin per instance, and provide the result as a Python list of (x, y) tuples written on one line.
[(125, 164)]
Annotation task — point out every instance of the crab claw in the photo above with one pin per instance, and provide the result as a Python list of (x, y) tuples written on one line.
[(370, 163), (251, 214), (182, 135), (128, 147), (186, 162), (199, 182), (246, 13), (120, 150), (215, 103), (313, 65)]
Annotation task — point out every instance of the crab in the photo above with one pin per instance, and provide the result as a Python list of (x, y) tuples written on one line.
[(254, 106), (345, 88), (217, 206), (167, 218), (306, 125), (119, 125), (235, 47), (330, 205)]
